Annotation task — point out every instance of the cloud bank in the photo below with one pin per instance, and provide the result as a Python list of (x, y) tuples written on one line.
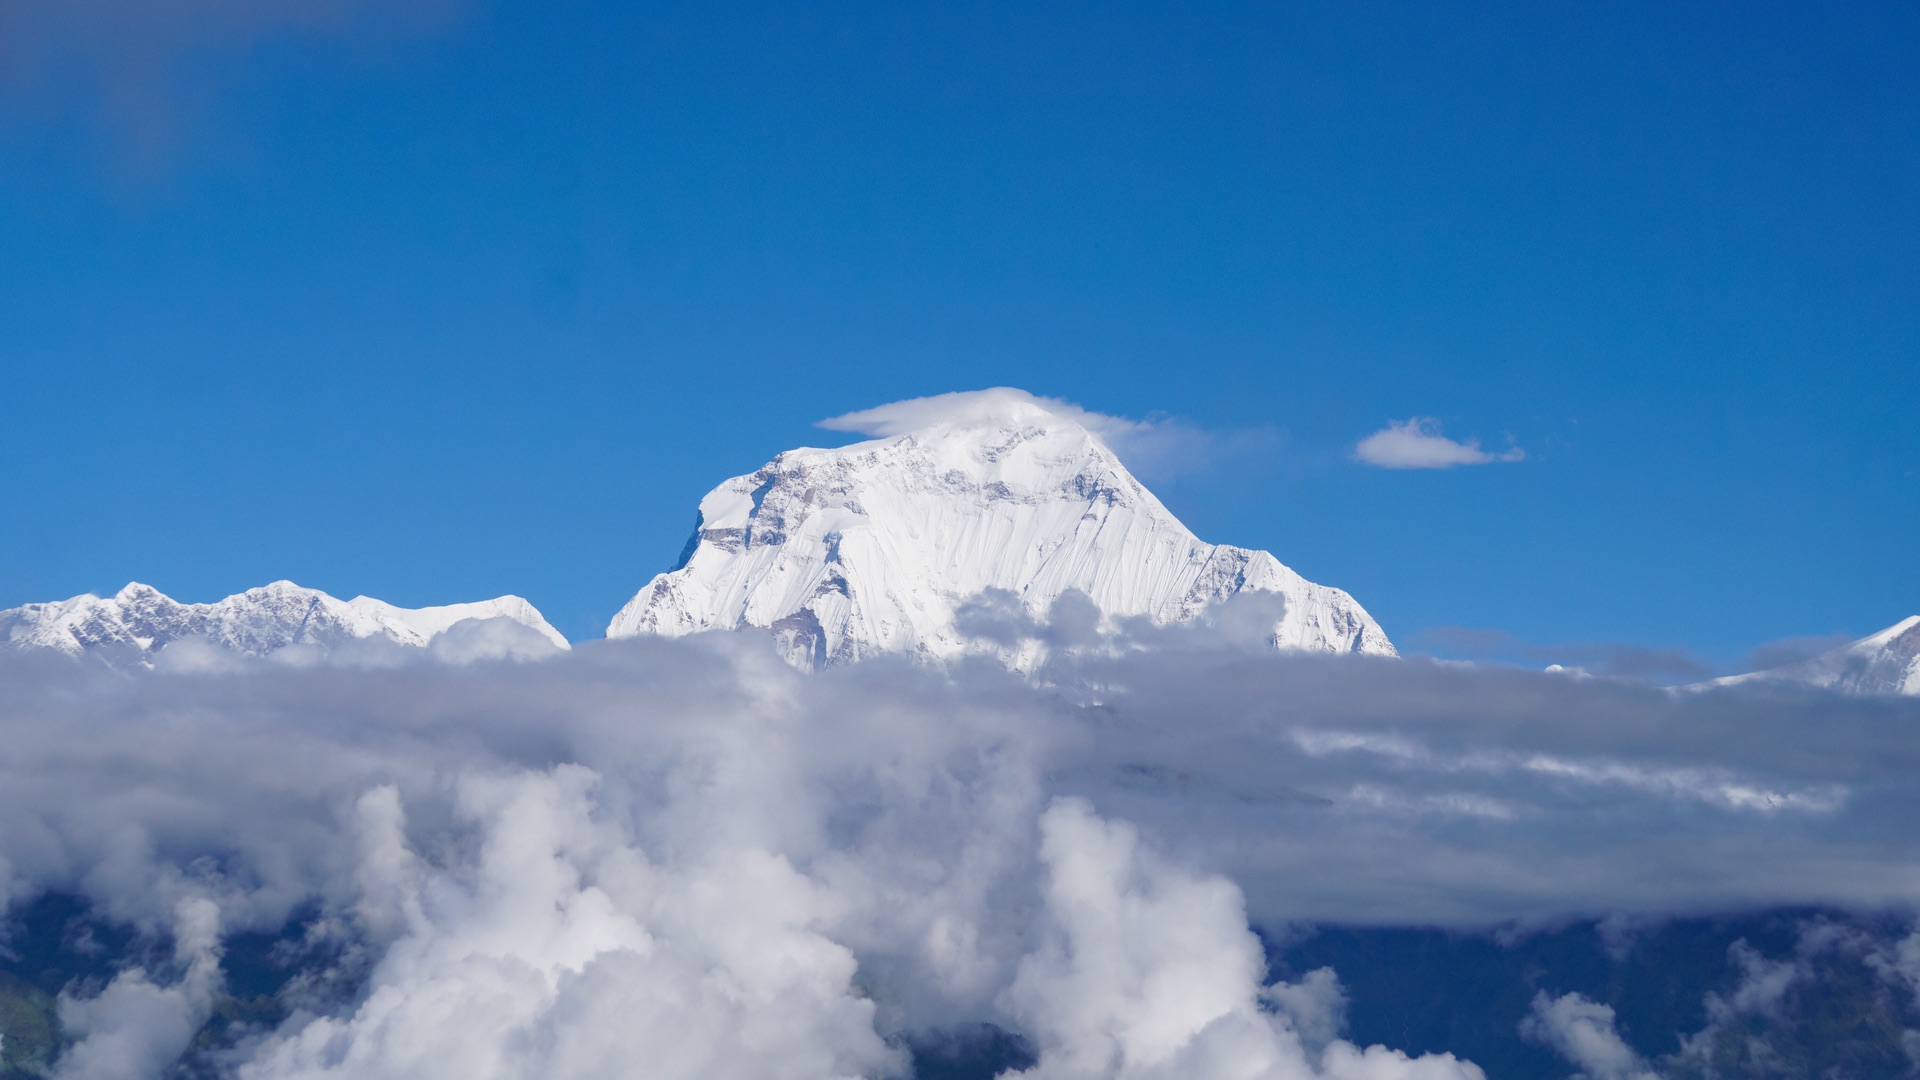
[(1418, 444), (684, 853)]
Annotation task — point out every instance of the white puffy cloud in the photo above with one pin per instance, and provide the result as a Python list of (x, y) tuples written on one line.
[(1316, 1006), (136, 1026), (1147, 972), (563, 951), (1582, 1031), (1418, 444)]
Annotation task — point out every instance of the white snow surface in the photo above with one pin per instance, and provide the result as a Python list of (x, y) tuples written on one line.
[(139, 620), (1884, 663), (876, 547)]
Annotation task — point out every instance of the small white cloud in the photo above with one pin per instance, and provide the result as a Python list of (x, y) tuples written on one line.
[(1417, 444), (1582, 1031)]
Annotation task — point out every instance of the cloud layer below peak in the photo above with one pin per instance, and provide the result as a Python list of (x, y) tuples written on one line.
[(688, 850)]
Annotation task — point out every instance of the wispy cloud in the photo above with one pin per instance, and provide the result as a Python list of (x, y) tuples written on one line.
[(1619, 659), (1155, 448), (142, 69), (1847, 970), (1417, 443)]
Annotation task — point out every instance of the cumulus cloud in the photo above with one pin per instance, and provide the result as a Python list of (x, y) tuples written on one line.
[(1151, 972), (1418, 444), (563, 951), (1316, 1006), (137, 1027), (686, 853), (1582, 1032)]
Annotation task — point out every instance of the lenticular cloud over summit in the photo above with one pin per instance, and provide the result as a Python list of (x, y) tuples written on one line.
[(980, 407)]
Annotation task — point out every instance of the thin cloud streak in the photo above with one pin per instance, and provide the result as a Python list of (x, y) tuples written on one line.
[(1619, 659), (143, 70)]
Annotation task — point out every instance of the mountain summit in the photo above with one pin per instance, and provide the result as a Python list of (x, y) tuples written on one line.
[(995, 496), (1887, 662)]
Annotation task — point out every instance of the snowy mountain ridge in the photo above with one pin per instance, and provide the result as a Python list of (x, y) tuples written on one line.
[(876, 547), (139, 620), (1887, 662)]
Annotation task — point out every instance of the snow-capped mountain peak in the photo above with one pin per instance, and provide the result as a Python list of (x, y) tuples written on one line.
[(875, 547), (139, 620), (1887, 662)]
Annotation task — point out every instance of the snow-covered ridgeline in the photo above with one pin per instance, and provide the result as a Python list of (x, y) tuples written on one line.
[(874, 547), (1887, 662), (139, 620)]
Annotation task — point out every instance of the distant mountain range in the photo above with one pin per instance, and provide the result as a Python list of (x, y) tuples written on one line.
[(971, 524), (139, 620)]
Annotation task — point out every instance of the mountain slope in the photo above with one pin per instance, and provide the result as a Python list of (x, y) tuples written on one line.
[(1884, 663), (139, 620), (874, 547)]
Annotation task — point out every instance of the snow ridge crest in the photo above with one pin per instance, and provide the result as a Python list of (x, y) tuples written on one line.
[(139, 620), (1886, 662)]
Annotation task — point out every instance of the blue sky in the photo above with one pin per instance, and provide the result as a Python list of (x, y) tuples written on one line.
[(439, 300)]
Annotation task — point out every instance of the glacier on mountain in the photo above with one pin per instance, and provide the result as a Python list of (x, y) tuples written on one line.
[(1887, 662), (992, 497), (139, 620)]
